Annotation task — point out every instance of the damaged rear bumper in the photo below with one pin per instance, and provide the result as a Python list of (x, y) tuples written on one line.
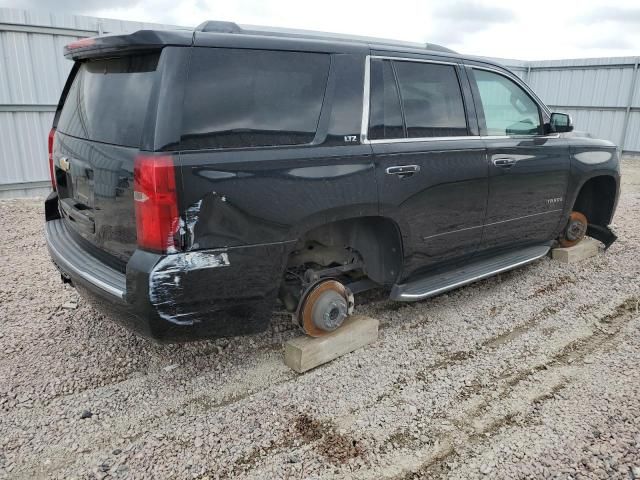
[(177, 297)]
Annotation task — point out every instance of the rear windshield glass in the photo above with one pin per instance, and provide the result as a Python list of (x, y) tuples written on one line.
[(108, 100), (249, 98)]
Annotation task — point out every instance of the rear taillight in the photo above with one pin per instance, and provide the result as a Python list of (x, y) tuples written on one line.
[(156, 201), (52, 171)]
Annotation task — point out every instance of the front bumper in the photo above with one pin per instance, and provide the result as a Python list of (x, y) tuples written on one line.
[(177, 297)]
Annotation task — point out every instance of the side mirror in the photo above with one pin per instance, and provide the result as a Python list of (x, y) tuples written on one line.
[(560, 123)]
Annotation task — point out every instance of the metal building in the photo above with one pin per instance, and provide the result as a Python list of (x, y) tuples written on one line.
[(32, 75), (602, 95)]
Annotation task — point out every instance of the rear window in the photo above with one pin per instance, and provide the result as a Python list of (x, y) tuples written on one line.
[(250, 98), (109, 98)]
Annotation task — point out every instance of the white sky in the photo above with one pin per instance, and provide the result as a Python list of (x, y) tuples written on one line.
[(532, 30)]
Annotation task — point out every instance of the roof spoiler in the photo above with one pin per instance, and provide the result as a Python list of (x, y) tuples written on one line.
[(140, 41), (219, 27), (215, 26)]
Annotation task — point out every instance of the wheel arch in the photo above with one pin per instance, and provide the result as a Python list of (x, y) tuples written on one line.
[(378, 239), (597, 198)]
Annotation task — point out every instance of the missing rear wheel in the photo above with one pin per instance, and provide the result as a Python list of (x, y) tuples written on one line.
[(324, 308)]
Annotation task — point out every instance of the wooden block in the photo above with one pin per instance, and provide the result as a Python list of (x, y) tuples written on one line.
[(304, 353), (587, 248)]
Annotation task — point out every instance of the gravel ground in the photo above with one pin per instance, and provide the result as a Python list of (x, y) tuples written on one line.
[(531, 374)]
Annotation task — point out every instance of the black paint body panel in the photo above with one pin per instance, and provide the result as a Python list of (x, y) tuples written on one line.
[(518, 208), (244, 209), (440, 210)]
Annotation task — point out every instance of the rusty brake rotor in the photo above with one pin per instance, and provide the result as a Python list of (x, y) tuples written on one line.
[(324, 307), (575, 230)]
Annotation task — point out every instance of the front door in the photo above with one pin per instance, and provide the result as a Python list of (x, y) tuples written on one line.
[(430, 168), (528, 170)]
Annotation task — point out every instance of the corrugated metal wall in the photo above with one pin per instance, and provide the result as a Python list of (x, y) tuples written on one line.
[(602, 95), (32, 75)]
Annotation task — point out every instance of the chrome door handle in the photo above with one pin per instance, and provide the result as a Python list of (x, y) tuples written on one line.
[(403, 170), (504, 162)]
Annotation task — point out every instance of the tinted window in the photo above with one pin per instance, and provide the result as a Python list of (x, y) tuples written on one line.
[(431, 99), (250, 98), (385, 117), (508, 110), (108, 100)]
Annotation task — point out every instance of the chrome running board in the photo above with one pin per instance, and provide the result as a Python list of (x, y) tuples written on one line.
[(435, 284)]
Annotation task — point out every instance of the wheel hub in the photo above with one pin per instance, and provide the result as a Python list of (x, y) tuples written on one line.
[(324, 308), (329, 311), (575, 230)]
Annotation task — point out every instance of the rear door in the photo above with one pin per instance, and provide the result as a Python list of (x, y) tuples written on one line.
[(528, 170), (430, 162), (99, 132)]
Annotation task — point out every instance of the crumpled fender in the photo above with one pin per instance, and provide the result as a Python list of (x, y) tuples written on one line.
[(603, 234)]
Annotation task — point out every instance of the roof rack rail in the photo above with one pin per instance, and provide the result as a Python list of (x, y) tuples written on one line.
[(216, 26)]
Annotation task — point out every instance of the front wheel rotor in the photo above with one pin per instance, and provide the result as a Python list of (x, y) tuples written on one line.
[(575, 230)]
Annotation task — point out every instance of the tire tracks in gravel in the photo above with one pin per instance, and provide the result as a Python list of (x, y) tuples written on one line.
[(242, 389), (480, 421), (459, 357), (444, 447), (155, 415), (517, 399), (252, 459), (237, 388)]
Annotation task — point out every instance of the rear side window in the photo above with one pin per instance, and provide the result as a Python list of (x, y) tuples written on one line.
[(250, 98), (431, 99), (108, 100), (415, 100)]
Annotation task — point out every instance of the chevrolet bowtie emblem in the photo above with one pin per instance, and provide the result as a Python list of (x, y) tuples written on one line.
[(64, 163)]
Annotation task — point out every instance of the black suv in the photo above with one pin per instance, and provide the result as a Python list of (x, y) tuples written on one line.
[(201, 177)]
